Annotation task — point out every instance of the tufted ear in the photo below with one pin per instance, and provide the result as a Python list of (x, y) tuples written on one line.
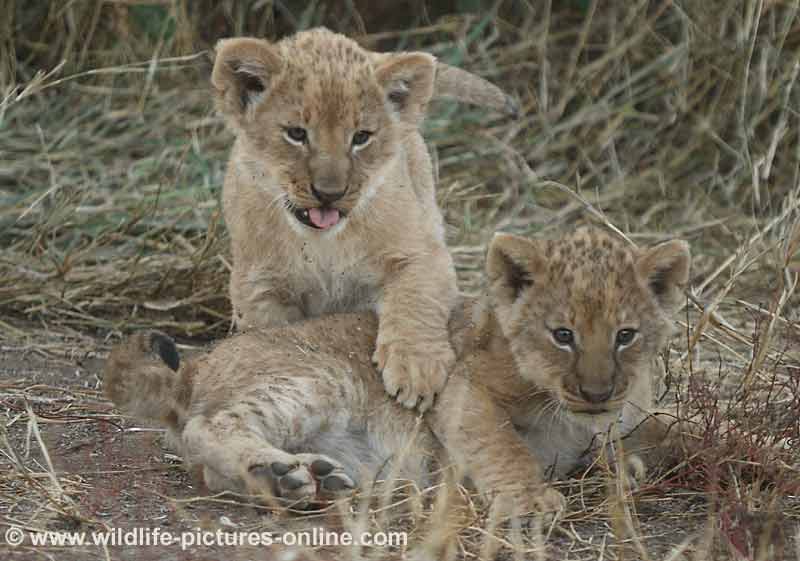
[(511, 263), (407, 81), (244, 68), (665, 270)]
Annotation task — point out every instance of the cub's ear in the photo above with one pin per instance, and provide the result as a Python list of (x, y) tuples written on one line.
[(243, 71), (407, 81), (665, 270), (510, 266)]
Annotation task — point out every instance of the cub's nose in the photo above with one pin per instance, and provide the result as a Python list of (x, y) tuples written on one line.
[(596, 395), (327, 196)]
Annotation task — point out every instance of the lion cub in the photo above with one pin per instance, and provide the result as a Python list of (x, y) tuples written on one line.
[(329, 195), (561, 348)]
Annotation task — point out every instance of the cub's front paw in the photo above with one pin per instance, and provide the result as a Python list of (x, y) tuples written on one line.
[(414, 375)]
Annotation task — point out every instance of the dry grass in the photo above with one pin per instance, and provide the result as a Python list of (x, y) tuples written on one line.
[(661, 118)]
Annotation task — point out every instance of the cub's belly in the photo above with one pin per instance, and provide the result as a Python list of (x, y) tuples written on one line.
[(387, 442)]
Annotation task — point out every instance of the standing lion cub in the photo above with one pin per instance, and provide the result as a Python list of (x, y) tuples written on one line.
[(560, 350), (329, 194)]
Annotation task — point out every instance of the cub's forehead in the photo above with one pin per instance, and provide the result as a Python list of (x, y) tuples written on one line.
[(327, 77), (321, 56), (593, 268)]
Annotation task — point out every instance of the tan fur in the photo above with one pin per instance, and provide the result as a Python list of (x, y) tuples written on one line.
[(531, 388), (388, 252), (268, 406)]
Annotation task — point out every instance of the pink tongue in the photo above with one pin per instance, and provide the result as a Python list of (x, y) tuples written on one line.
[(323, 218)]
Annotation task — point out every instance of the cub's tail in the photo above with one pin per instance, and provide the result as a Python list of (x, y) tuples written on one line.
[(455, 83), (143, 377)]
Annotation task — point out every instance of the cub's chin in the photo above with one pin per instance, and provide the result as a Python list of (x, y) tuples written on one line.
[(593, 416)]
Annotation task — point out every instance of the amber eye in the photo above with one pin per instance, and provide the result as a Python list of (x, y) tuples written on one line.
[(625, 337), (361, 138), (563, 336), (297, 134)]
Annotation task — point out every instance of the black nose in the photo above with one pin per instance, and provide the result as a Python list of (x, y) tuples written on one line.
[(594, 396), (327, 197)]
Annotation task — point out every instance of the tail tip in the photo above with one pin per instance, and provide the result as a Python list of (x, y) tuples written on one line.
[(165, 348)]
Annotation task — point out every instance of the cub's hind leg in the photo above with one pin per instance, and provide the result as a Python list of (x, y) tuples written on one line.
[(235, 414), (262, 438), (237, 457)]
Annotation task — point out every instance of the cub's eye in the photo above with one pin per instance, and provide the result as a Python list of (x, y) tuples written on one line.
[(298, 135), (361, 138), (563, 336), (625, 337)]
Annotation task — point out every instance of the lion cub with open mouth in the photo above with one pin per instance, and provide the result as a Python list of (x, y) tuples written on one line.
[(329, 195), (562, 348)]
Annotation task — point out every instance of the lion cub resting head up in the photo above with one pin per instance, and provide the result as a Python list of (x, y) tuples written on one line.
[(329, 195), (298, 412), (582, 318)]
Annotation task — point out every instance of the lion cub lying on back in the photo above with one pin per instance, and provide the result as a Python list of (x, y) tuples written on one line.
[(329, 196), (562, 347)]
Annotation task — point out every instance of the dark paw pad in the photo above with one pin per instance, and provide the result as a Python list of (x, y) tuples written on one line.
[(321, 468), (335, 483), (291, 483), (279, 468)]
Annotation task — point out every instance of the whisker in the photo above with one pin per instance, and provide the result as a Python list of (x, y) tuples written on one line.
[(548, 405), (535, 392), (278, 201), (555, 417)]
